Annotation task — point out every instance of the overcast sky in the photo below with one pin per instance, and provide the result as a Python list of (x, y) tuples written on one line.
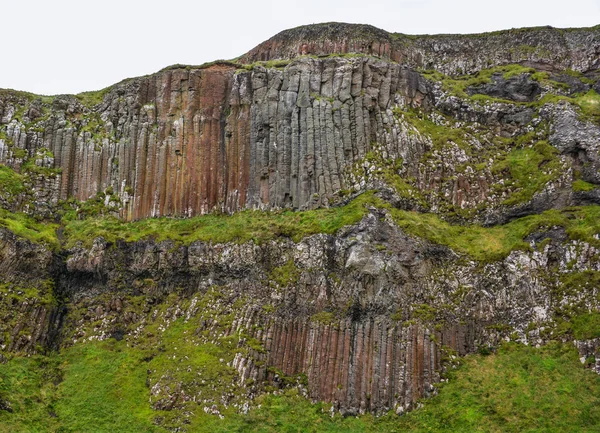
[(69, 46)]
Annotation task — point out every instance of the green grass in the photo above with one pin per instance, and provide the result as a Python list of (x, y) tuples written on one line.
[(589, 103), (29, 386), (586, 326), (101, 387), (440, 135), (93, 98), (582, 186), (493, 243), (519, 389), (29, 228), (11, 182), (240, 227), (480, 243), (458, 86), (104, 390), (528, 170)]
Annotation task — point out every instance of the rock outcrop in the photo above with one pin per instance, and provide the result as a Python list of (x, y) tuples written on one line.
[(227, 136), (470, 131)]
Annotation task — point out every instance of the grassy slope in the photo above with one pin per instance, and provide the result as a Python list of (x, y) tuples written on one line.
[(480, 243), (519, 389)]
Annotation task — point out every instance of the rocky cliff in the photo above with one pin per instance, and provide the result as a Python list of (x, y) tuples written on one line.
[(394, 202)]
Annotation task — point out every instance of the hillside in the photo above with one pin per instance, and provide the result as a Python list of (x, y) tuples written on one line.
[(340, 216)]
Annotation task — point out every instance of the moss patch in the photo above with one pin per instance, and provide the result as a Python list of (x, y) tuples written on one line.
[(11, 182)]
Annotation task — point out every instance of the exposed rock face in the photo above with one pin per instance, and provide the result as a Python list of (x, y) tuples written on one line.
[(451, 54), (189, 141), (366, 318), (29, 317)]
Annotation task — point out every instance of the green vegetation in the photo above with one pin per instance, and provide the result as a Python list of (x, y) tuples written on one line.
[(28, 387), (388, 170), (10, 93), (42, 295), (589, 103), (93, 98), (101, 387), (323, 317), (286, 274), (440, 134), (480, 243), (239, 227), (29, 228), (493, 243), (518, 389), (458, 86), (525, 164), (270, 64), (11, 182), (586, 326), (582, 186), (114, 392), (529, 169)]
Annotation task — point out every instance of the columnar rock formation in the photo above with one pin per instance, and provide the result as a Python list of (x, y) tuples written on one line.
[(185, 142), (226, 137), (365, 318)]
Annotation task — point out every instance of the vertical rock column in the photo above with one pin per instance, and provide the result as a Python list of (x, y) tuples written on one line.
[(369, 366)]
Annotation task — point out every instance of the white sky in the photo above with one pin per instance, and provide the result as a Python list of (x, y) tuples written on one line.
[(69, 46)]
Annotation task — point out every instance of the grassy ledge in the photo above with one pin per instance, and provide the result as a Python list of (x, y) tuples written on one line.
[(478, 242)]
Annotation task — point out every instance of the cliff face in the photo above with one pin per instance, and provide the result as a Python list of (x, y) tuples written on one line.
[(226, 137), (576, 49), (185, 142), (483, 226)]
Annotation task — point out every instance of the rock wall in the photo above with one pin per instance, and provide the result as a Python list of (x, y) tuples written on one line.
[(561, 49), (228, 136), (366, 318), (369, 316), (185, 142)]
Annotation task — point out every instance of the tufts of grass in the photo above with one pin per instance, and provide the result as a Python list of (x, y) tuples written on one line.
[(590, 105), (28, 389), (104, 389), (586, 326), (286, 274), (458, 85), (493, 243), (528, 169), (11, 182), (93, 98), (480, 243), (240, 227)]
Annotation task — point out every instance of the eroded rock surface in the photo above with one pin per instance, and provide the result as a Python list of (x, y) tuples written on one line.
[(366, 318)]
